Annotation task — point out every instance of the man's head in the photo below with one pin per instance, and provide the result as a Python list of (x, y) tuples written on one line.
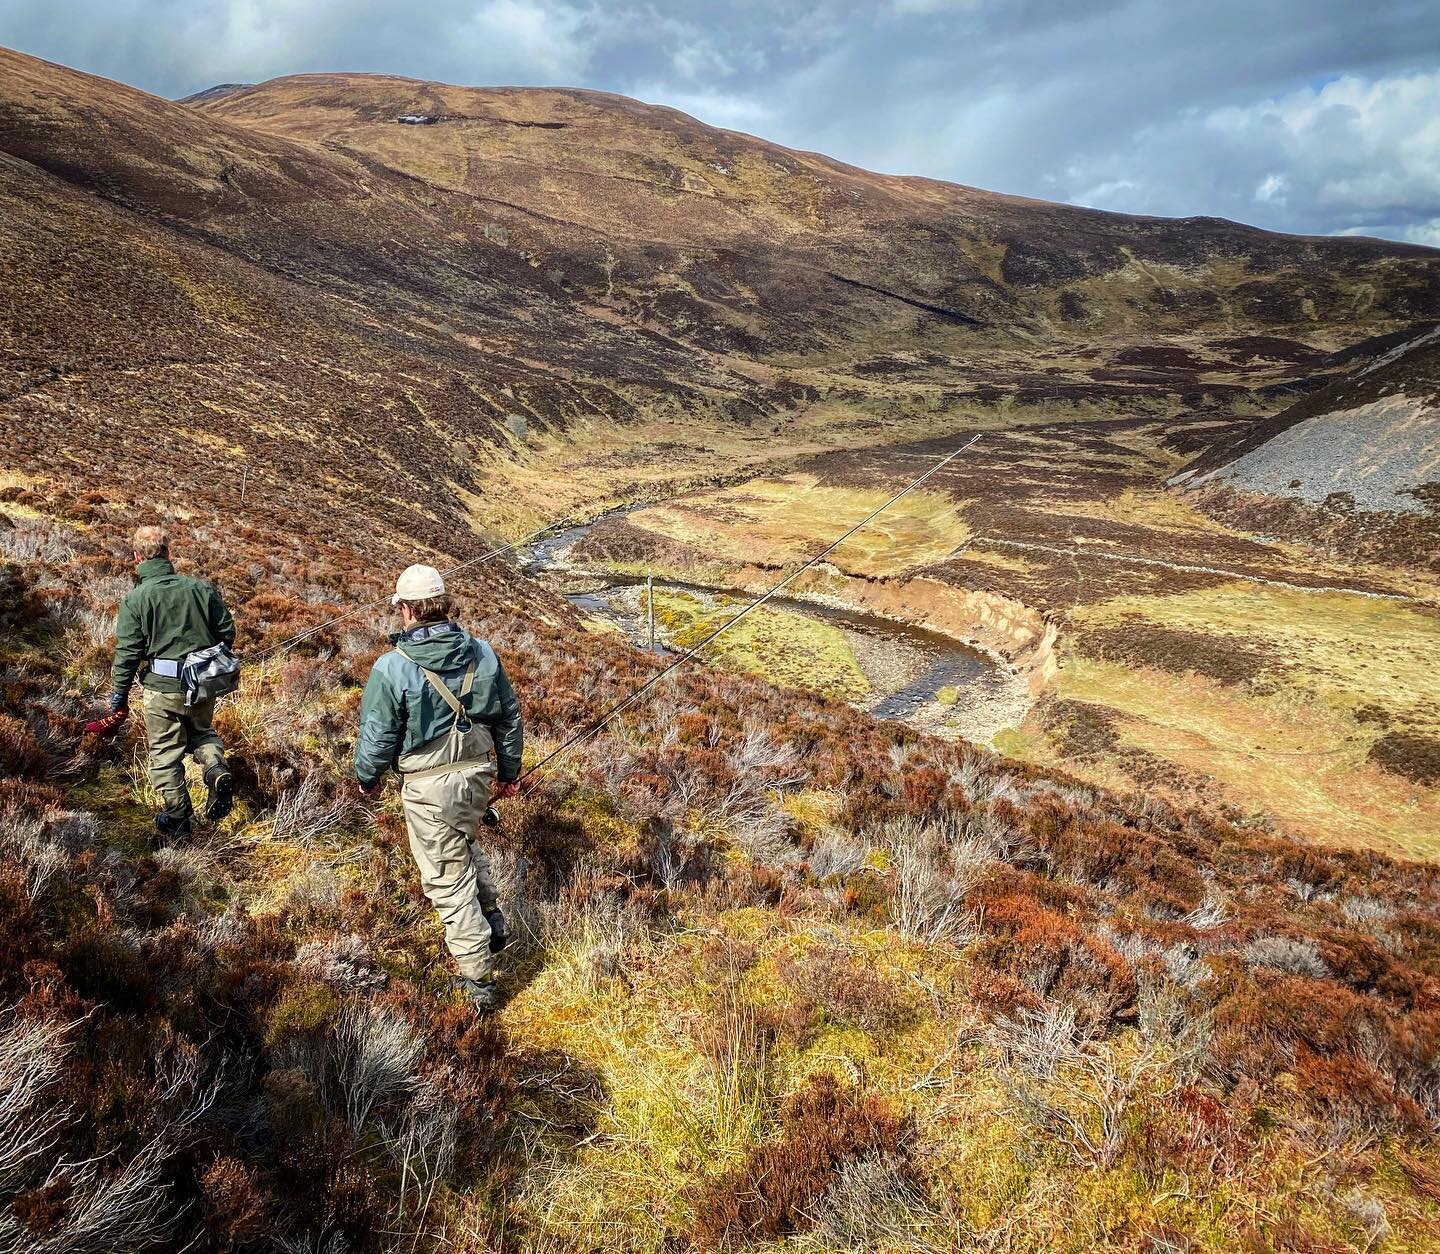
[(420, 595), (151, 541)]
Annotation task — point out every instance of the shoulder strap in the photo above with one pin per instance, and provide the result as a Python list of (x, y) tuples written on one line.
[(440, 687)]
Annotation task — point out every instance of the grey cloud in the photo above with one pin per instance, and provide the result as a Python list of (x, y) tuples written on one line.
[(1301, 115)]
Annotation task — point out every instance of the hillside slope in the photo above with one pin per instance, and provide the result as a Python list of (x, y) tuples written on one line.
[(783, 976), (781, 973), (714, 232), (301, 289), (1354, 466)]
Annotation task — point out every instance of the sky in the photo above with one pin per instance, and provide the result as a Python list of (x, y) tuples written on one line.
[(1315, 116)]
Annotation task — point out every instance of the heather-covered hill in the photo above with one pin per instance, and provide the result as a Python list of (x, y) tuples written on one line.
[(537, 302), (709, 231), (190, 297), (1354, 466), (784, 974)]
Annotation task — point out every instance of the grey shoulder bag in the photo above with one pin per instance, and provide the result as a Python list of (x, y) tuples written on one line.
[(209, 673)]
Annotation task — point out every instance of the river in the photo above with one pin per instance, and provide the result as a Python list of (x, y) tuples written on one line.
[(906, 666)]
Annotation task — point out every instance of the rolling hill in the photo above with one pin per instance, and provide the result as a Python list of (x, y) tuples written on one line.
[(297, 286), (782, 975)]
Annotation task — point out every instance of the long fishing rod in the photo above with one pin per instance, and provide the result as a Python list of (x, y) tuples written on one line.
[(287, 645), (619, 707)]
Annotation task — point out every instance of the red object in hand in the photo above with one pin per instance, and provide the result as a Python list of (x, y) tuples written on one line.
[(508, 789), (108, 725)]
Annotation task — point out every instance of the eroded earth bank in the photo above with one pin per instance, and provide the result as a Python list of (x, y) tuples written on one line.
[(955, 664)]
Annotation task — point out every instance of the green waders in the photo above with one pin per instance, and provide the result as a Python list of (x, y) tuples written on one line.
[(447, 785), (443, 806), (172, 730)]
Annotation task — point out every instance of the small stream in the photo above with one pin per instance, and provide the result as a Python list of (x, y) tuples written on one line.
[(905, 665)]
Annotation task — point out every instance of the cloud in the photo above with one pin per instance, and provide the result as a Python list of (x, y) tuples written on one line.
[(173, 47), (733, 112), (1427, 233), (1351, 155), (1305, 115)]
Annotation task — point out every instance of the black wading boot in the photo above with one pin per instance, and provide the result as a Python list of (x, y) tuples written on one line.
[(480, 992), (221, 786), (172, 827)]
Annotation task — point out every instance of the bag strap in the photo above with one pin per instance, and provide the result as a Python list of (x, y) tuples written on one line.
[(440, 687)]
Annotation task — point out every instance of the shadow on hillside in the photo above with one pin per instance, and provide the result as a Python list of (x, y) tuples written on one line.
[(560, 1096)]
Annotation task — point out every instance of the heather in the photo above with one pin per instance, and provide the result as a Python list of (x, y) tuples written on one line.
[(783, 975)]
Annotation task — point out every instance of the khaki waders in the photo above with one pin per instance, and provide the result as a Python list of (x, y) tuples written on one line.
[(446, 786), (172, 730)]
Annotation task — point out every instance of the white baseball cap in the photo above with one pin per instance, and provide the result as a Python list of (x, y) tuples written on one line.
[(416, 583)]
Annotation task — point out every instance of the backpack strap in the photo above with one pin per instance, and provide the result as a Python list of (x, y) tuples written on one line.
[(443, 691)]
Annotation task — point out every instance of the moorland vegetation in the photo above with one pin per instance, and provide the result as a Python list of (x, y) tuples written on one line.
[(783, 973)]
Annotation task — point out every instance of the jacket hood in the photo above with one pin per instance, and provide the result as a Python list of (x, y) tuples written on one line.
[(437, 646)]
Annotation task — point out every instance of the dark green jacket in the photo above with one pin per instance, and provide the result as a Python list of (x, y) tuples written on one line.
[(166, 616), (400, 711)]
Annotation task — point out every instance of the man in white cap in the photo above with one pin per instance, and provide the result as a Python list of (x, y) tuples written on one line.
[(439, 710)]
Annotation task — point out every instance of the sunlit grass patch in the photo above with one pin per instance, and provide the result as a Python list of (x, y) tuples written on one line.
[(1148, 507), (783, 521), (1339, 670), (1284, 755), (812, 810), (779, 645), (1344, 648), (694, 1044), (671, 1108)]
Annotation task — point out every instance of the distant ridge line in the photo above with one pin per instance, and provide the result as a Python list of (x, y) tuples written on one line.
[(217, 92)]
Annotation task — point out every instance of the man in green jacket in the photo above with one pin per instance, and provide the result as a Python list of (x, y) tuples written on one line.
[(439, 710), (164, 618)]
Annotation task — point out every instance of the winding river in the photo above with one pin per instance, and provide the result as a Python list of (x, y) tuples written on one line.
[(906, 666)]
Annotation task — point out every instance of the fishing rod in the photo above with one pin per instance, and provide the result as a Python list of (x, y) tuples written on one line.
[(287, 645), (598, 724)]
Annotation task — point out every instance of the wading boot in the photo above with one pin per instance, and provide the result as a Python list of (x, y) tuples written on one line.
[(499, 933), (171, 827), (221, 786), (480, 992)]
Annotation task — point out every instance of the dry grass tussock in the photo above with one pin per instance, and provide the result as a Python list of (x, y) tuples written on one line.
[(780, 973)]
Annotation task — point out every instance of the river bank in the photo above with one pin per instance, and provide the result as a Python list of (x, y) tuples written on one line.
[(893, 669)]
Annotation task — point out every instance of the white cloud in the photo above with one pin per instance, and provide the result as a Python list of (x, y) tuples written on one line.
[(926, 7), (1306, 115), (1103, 195), (1366, 145), (1427, 233), (1352, 155), (544, 39), (732, 112), (1272, 189)]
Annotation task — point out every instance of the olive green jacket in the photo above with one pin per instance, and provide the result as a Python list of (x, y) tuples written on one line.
[(399, 711), (166, 616)]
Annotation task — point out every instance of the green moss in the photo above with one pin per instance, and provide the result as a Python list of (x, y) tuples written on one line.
[(302, 1007), (948, 695), (782, 646), (122, 822), (1014, 743)]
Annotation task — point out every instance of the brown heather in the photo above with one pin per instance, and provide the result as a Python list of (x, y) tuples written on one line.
[(1316, 973), (781, 972)]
